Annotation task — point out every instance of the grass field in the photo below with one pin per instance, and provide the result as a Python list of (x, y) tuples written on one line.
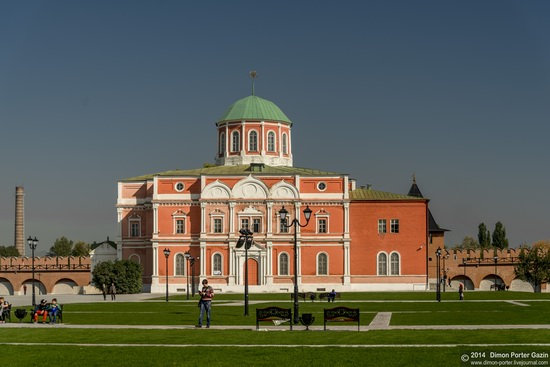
[(113, 344)]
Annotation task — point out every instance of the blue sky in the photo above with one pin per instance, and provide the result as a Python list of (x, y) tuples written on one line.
[(456, 92)]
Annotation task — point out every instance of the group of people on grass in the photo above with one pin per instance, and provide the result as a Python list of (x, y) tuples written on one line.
[(45, 309)]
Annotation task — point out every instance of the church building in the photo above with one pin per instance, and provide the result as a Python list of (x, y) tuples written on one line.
[(183, 225)]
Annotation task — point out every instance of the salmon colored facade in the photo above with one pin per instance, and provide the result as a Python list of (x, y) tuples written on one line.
[(357, 239)]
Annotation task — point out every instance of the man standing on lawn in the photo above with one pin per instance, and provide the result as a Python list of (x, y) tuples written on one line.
[(206, 301)]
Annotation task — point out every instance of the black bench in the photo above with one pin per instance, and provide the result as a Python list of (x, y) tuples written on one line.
[(322, 296), (304, 295), (341, 314), (273, 314), (59, 316)]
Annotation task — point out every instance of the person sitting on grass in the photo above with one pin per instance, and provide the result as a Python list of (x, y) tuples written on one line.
[(41, 310), (53, 310)]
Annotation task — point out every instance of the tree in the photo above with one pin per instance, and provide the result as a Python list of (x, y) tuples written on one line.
[(124, 273), (499, 236), (81, 249), (62, 247), (468, 243), (534, 264), (483, 236), (7, 251)]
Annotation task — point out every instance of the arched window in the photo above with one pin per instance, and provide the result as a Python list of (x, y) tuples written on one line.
[(283, 264), (222, 143), (285, 144), (217, 264), (322, 264), (253, 141), (134, 258), (271, 141), (235, 141), (180, 264), (382, 264), (394, 261)]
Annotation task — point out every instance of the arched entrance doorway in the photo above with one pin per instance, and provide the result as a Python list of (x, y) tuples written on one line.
[(253, 278)]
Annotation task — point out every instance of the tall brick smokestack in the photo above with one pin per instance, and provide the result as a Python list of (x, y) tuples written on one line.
[(19, 240)]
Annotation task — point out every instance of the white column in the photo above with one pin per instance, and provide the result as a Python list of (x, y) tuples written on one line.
[(263, 138), (346, 220), (203, 219), (269, 218), (119, 234), (155, 219), (231, 218)]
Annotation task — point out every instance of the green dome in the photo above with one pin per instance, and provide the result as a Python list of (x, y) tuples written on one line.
[(254, 108)]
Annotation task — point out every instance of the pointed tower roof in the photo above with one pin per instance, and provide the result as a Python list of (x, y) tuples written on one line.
[(432, 225)]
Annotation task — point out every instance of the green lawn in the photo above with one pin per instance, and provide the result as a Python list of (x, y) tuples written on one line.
[(200, 347)]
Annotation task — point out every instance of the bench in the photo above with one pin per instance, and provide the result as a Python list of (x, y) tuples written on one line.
[(499, 287), (273, 314), (322, 296), (304, 295), (341, 314), (59, 315)]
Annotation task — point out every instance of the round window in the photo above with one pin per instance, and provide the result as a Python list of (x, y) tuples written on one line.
[(180, 186), (322, 186)]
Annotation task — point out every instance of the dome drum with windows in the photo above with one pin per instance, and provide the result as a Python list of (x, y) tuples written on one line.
[(254, 130)]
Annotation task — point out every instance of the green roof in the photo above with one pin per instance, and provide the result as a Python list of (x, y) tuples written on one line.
[(369, 194), (237, 170), (254, 108)]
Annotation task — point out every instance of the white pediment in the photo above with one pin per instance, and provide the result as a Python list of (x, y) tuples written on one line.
[(250, 211), (250, 188), (284, 190), (216, 190)]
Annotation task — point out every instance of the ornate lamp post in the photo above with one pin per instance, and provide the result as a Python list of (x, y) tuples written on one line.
[(246, 238), (189, 258), (283, 213), (167, 255), (495, 258), (438, 270), (32, 244)]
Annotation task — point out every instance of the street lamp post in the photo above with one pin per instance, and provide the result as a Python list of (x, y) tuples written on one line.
[(246, 238), (167, 255), (445, 275), (283, 213), (32, 244), (438, 270), (188, 257), (495, 258)]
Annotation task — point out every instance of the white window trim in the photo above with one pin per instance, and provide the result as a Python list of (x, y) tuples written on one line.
[(390, 265), (176, 264), (317, 264), (134, 219), (274, 142), (279, 264), (233, 150), (221, 264), (284, 140), (398, 226), (378, 263), (322, 214), (181, 216), (385, 226), (222, 144), (257, 141)]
